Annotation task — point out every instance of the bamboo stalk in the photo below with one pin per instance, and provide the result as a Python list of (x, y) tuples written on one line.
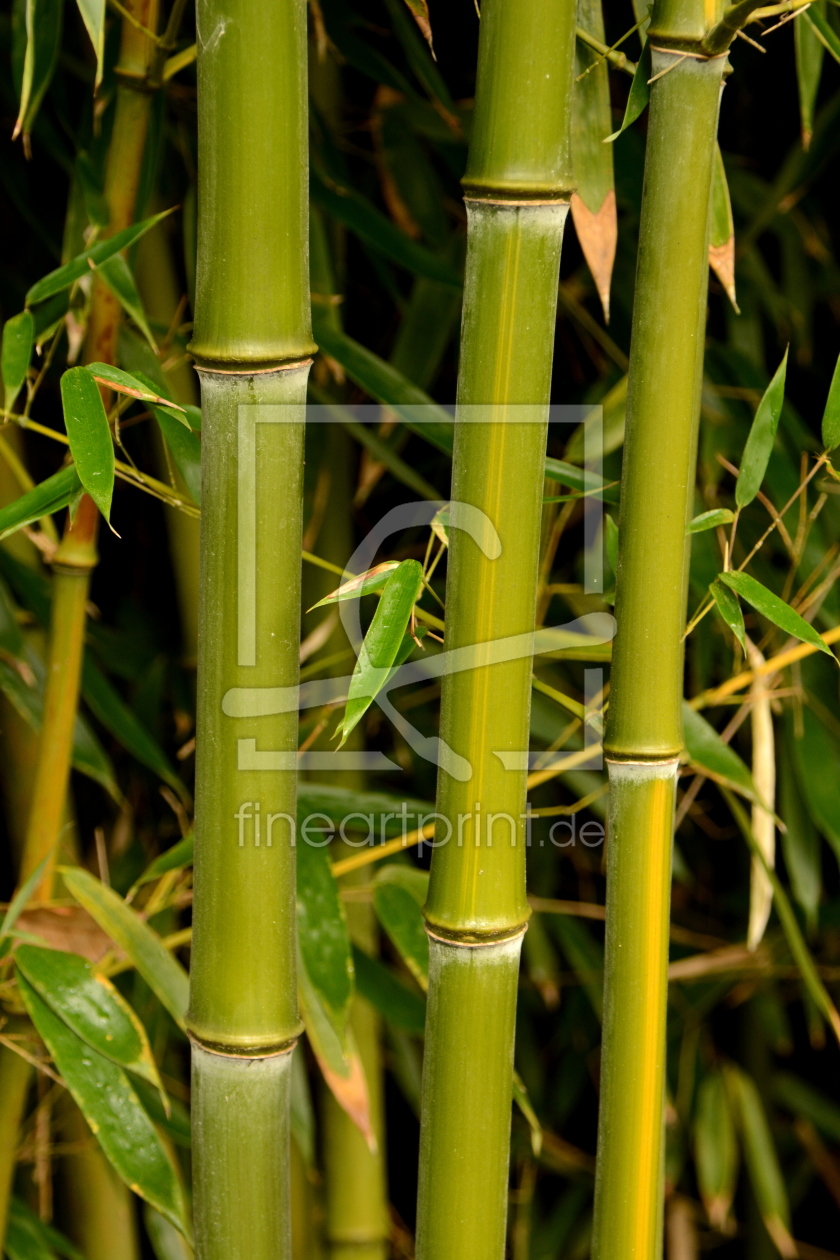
[(644, 732), (517, 185), (15, 1073), (252, 345)]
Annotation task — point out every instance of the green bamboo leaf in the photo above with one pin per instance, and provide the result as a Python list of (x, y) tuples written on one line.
[(48, 496), (761, 438), (722, 234), (802, 1099), (164, 974), (809, 50), (173, 1121), (398, 897), (132, 386), (421, 63), (761, 1159), (831, 415), (109, 708), (185, 447), (90, 1005), (117, 275), (18, 904), (167, 1242), (828, 37), (113, 1111), (378, 813), (93, 16), (585, 955), (710, 520), (774, 609), (383, 642), (89, 260), (717, 759), (179, 856), (816, 754), (30, 1238), (18, 340), (727, 605), (322, 934), (715, 1150), (580, 479), (36, 26), (800, 839), (90, 436), (639, 93), (362, 218), (367, 583), (403, 1009)]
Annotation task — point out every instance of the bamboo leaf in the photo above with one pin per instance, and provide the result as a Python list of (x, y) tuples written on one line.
[(93, 16), (30, 1238), (383, 642), (761, 438), (727, 605), (398, 897), (403, 1009), (811, 1104), (831, 415), (167, 1242), (579, 479), (761, 1159), (174, 1122), (523, 1102), (113, 1111), (89, 260), (130, 385), (593, 205), (380, 813), (710, 520), (322, 934), (816, 754), (18, 340), (774, 609), (179, 856), (185, 447), (117, 275), (722, 235), (367, 583), (18, 903), (90, 1005), (48, 496), (90, 436), (362, 218), (164, 974), (585, 955), (707, 749), (715, 1150), (37, 25), (826, 34), (800, 840), (639, 93), (337, 1057), (809, 49), (611, 542)]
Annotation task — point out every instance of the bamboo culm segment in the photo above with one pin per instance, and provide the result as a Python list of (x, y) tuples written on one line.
[(467, 1073), (240, 1123), (629, 1185), (663, 408), (243, 996), (644, 728)]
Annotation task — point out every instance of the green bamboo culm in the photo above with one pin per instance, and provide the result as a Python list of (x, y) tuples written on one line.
[(644, 736), (252, 345), (517, 186)]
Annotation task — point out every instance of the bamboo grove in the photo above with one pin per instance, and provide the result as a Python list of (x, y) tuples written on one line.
[(419, 703)]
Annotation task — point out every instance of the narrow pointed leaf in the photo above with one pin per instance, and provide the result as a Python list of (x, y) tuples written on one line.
[(90, 1005), (816, 755), (117, 275), (126, 383), (167, 1242), (367, 583), (42, 33), (184, 445), (800, 840), (401, 1007), (824, 31), (18, 340), (30, 1238), (89, 260), (523, 1102), (639, 93), (727, 605), (803, 1100), (93, 16), (174, 859), (707, 749), (397, 901), (722, 235), (322, 934), (762, 436), (831, 415), (593, 204), (715, 1150), (164, 974), (809, 46), (761, 1159), (112, 1109), (710, 520), (383, 641), (48, 496), (774, 609), (90, 436)]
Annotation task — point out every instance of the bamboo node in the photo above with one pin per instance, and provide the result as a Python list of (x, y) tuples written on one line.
[(472, 940), (248, 1053)]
